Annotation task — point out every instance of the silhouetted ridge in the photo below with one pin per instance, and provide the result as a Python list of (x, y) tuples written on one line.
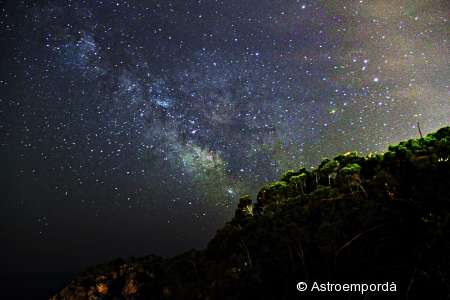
[(380, 219)]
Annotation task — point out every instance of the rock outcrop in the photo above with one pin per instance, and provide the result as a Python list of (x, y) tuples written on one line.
[(115, 279)]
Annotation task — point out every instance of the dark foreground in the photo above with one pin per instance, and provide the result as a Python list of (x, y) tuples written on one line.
[(32, 286), (380, 219)]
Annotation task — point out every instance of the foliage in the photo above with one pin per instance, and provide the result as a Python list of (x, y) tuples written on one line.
[(375, 219)]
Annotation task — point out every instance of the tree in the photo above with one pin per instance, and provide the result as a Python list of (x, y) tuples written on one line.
[(299, 181), (331, 169), (244, 208), (350, 175)]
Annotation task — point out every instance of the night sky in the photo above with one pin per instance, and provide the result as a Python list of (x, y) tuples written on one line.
[(133, 127)]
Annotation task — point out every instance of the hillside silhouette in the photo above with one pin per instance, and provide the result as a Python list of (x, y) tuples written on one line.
[(379, 222)]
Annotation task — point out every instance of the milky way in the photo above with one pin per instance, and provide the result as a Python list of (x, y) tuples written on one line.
[(137, 126)]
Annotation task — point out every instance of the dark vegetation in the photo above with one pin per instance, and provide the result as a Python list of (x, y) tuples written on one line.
[(375, 219)]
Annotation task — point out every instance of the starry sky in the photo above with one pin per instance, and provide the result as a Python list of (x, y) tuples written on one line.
[(133, 127)]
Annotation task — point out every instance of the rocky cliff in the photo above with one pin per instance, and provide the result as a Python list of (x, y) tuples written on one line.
[(381, 220)]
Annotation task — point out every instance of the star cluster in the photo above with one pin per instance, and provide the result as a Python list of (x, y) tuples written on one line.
[(133, 127)]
